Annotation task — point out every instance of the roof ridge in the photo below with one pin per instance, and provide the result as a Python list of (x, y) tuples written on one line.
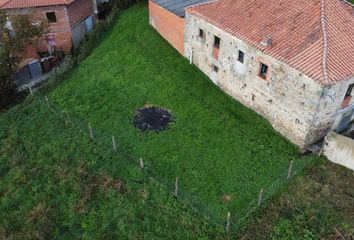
[(202, 3), (325, 41)]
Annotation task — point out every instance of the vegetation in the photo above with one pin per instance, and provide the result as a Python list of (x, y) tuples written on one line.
[(12, 45), (317, 206), (222, 152), (56, 183)]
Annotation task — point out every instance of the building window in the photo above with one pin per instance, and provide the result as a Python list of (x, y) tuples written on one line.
[(201, 33), (349, 91), (348, 96), (216, 42), (51, 17), (215, 68), (263, 71), (241, 56)]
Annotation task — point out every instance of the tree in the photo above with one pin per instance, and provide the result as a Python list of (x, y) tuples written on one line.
[(16, 32)]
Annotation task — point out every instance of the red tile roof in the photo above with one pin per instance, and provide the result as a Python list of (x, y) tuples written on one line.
[(9, 4), (315, 37)]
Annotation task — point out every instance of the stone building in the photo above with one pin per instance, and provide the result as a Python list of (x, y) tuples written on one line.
[(291, 61), (69, 20)]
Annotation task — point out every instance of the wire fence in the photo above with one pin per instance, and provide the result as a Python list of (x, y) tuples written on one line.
[(231, 222)]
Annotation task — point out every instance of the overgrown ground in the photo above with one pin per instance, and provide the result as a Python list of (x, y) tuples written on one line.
[(56, 183), (222, 152), (317, 206)]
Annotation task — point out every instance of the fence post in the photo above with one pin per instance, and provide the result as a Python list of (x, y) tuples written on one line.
[(91, 133), (47, 100), (290, 169), (67, 116), (228, 222), (176, 187), (141, 163), (114, 143), (260, 197)]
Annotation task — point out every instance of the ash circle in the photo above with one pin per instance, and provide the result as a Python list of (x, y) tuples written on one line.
[(152, 119)]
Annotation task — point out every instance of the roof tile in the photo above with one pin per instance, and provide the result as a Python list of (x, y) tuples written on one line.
[(314, 36), (10, 4)]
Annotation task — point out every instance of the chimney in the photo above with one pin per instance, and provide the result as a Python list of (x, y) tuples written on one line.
[(267, 41)]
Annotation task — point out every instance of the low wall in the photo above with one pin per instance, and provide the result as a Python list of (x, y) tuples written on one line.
[(339, 149), (170, 26), (55, 71)]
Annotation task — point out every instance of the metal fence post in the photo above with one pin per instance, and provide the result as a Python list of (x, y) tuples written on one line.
[(67, 116), (114, 143), (47, 100), (91, 132), (228, 222), (176, 187), (260, 197), (141, 163), (290, 169)]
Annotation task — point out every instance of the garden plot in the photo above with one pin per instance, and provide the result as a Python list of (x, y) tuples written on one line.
[(222, 152), (58, 183)]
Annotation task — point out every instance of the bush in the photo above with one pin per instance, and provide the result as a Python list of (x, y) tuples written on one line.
[(7, 90), (93, 38)]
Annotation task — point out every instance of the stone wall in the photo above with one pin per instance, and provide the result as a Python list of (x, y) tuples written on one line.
[(170, 26), (291, 101)]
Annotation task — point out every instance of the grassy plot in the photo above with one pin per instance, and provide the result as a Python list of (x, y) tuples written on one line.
[(222, 152), (317, 206), (56, 183)]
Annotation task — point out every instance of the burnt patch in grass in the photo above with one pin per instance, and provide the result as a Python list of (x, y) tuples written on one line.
[(152, 118)]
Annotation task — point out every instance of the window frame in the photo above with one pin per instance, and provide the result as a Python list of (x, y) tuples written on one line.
[(241, 56), (215, 68), (349, 91), (217, 42), (261, 73), (201, 33), (50, 16)]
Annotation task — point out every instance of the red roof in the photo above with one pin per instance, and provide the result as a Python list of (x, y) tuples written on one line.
[(315, 37), (8, 4)]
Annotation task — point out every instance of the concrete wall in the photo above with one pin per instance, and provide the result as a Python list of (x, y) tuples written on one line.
[(287, 98), (331, 103), (170, 26), (339, 149)]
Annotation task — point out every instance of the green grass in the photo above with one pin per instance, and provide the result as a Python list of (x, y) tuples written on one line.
[(316, 206), (216, 146), (55, 183)]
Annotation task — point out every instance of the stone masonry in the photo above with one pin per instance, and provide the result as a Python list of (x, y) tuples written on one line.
[(298, 107)]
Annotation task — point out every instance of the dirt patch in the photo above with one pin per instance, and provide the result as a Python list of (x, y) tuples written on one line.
[(226, 198), (152, 118)]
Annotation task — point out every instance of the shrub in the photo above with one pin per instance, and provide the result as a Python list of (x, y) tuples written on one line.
[(93, 38)]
